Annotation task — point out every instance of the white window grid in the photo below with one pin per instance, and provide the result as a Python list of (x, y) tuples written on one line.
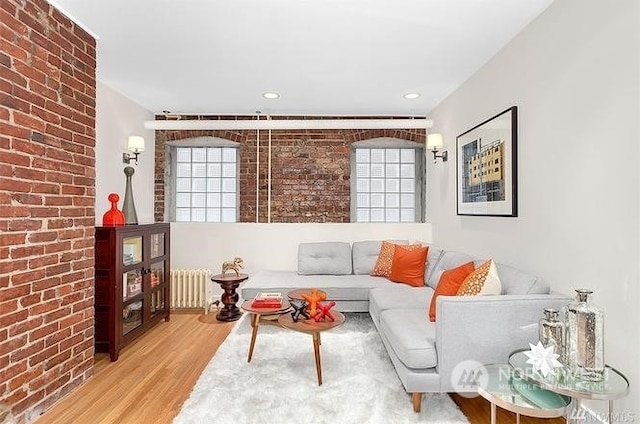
[(206, 184), (385, 184)]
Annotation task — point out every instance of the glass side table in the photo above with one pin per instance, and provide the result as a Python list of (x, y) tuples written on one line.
[(614, 386), (499, 391)]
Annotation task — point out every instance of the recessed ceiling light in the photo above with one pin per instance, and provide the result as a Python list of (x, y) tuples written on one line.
[(411, 96), (270, 95)]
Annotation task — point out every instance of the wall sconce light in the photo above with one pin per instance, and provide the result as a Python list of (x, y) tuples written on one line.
[(435, 143), (136, 146)]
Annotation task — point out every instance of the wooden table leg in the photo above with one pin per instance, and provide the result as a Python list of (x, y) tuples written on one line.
[(493, 413), (316, 350), (255, 322)]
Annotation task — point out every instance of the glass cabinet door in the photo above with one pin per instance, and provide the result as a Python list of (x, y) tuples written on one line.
[(131, 316), (131, 250), (158, 287), (131, 284), (157, 273), (157, 245), (158, 303)]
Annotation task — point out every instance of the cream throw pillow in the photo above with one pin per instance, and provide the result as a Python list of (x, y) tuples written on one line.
[(484, 280)]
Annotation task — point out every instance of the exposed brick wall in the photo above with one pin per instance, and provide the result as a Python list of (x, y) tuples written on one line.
[(47, 197), (310, 170)]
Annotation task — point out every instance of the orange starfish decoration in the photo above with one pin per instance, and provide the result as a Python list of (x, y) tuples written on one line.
[(313, 299)]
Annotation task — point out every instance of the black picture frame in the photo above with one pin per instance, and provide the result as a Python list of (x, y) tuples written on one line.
[(487, 167)]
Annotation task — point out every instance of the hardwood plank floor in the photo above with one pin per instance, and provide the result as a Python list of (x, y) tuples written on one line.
[(478, 410), (156, 373), (151, 379)]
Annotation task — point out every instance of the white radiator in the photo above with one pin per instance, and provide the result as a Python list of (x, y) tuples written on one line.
[(191, 288)]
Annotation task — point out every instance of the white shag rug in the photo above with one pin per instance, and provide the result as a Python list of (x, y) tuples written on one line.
[(280, 384)]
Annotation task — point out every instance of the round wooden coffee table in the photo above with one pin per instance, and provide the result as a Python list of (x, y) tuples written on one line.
[(268, 316), (310, 326)]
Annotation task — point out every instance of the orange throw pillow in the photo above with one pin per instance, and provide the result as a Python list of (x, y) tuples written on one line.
[(449, 283), (382, 267), (408, 265)]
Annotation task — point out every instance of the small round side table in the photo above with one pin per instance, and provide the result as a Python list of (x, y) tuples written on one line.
[(500, 391), (614, 386), (229, 283)]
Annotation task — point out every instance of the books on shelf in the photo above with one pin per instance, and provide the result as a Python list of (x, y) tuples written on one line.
[(131, 284), (267, 300)]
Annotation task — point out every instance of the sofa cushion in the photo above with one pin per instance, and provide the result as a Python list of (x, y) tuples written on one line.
[(411, 336), (326, 258), (448, 259), (482, 281), (365, 254), (408, 265), (398, 296), (517, 282), (433, 257)]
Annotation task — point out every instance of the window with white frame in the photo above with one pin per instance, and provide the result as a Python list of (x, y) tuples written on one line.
[(204, 187), (386, 182)]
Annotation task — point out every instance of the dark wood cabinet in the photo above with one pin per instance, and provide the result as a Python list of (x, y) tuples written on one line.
[(132, 289)]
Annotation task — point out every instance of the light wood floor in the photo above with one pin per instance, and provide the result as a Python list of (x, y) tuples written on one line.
[(151, 379), (155, 374)]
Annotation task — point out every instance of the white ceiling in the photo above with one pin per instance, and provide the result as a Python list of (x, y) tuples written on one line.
[(335, 57)]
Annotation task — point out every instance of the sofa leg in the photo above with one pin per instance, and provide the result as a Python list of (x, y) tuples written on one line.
[(416, 399)]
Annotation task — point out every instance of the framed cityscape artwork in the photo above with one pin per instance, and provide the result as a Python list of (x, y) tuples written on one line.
[(486, 168)]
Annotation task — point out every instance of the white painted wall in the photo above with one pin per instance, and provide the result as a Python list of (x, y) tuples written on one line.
[(574, 75), (271, 246), (117, 118)]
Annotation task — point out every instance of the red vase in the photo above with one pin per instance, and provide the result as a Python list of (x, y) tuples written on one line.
[(113, 217)]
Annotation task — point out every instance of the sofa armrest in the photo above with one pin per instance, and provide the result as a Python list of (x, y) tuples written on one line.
[(486, 329)]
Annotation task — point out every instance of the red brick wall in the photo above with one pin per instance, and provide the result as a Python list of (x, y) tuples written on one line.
[(47, 180), (310, 171)]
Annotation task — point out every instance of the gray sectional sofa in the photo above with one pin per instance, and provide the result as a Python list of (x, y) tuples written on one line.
[(428, 356), (337, 268)]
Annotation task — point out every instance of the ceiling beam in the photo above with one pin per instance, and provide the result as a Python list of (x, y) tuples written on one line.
[(290, 124)]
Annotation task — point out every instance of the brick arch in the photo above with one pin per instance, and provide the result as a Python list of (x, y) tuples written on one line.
[(416, 135), (385, 142)]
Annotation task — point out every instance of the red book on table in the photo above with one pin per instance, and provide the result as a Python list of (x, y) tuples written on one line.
[(266, 304), (267, 300)]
